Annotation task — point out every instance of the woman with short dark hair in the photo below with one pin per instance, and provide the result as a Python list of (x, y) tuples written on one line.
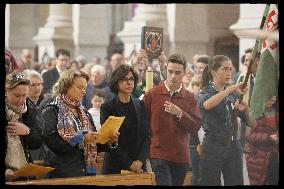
[(133, 142)]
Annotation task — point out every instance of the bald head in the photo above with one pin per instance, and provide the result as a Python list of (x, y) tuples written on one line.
[(26, 56), (116, 60)]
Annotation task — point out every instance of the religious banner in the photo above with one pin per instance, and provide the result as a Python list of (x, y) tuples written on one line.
[(267, 75)]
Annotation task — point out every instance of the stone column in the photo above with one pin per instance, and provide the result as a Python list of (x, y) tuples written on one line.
[(92, 28), (146, 15), (57, 32), (250, 18), (190, 29), (19, 27)]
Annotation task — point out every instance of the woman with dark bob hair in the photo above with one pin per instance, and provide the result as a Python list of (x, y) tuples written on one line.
[(134, 138)]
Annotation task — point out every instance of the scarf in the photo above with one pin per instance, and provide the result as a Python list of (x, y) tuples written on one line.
[(69, 130), (15, 156), (228, 115), (11, 61)]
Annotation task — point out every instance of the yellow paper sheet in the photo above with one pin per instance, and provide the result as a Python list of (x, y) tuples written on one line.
[(123, 172), (31, 170), (109, 128)]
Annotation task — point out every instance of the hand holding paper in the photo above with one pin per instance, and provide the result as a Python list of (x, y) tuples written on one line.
[(90, 138)]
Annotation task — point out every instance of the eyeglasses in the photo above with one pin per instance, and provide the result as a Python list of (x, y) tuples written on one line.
[(36, 84), (131, 79)]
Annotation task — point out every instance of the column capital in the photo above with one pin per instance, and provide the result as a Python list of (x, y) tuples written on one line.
[(249, 21), (57, 32), (154, 15), (60, 15)]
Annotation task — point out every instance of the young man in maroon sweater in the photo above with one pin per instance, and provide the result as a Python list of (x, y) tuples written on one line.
[(173, 114)]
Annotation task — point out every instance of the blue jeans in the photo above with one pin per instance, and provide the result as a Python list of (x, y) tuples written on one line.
[(194, 156), (215, 159), (169, 173)]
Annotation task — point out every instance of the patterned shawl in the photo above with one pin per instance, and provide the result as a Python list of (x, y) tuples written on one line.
[(15, 155), (10, 61), (68, 129)]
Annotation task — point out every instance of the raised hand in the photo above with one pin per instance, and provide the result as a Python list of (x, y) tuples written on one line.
[(141, 57), (241, 106), (238, 88), (162, 60)]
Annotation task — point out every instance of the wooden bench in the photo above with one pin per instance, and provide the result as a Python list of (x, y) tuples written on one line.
[(147, 178), (100, 160)]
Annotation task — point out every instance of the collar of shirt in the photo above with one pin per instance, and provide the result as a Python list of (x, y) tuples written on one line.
[(59, 70), (34, 101), (172, 92), (252, 77)]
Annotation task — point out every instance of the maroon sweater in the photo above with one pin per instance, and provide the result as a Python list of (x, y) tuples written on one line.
[(169, 136)]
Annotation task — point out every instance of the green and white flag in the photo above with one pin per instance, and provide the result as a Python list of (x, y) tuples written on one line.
[(267, 75)]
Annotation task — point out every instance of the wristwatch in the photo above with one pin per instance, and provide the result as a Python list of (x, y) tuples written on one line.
[(112, 145)]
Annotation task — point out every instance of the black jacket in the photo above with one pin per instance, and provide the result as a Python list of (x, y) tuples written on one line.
[(118, 159), (29, 119), (68, 161), (49, 79)]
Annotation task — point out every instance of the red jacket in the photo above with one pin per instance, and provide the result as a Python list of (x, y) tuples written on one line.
[(169, 136), (259, 148)]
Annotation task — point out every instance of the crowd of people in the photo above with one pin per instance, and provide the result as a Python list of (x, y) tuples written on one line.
[(184, 122)]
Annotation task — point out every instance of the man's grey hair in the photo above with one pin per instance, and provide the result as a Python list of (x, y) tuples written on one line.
[(33, 74), (82, 59), (98, 68)]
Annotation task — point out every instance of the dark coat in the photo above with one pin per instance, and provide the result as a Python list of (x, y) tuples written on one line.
[(30, 119), (117, 159), (68, 161), (49, 79), (35, 139)]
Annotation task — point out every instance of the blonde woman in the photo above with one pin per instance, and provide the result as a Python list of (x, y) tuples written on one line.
[(68, 129)]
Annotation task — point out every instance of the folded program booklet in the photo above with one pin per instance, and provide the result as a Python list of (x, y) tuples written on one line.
[(109, 128), (32, 170)]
